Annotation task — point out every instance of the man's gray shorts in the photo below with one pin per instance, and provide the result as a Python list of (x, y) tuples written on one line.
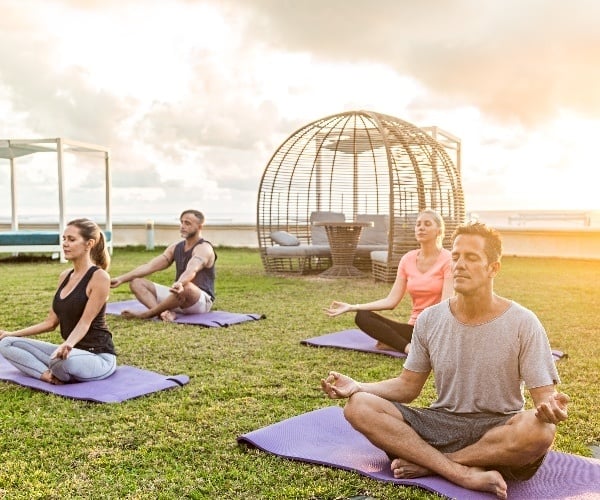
[(448, 432)]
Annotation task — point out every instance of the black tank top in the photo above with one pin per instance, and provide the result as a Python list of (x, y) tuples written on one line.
[(69, 310), (205, 278)]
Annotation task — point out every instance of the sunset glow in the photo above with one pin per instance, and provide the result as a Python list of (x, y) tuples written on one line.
[(193, 97)]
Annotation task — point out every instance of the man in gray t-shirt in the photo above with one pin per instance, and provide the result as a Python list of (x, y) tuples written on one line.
[(489, 362), (483, 351)]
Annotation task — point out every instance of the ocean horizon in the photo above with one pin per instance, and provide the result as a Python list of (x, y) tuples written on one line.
[(497, 218)]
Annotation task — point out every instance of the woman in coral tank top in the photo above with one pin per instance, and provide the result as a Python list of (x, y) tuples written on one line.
[(424, 273)]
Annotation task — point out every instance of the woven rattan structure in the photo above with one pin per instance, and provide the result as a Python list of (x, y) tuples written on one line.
[(355, 166)]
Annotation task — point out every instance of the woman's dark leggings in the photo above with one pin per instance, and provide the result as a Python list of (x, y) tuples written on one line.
[(388, 331)]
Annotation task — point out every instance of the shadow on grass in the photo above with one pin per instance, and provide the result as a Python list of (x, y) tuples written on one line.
[(27, 259)]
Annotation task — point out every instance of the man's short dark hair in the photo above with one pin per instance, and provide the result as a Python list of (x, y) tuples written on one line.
[(493, 241), (196, 213)]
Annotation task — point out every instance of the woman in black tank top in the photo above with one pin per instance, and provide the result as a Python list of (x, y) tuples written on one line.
[(87, 351)]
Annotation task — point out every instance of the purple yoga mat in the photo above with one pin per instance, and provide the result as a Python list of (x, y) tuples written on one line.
[(357, 340), (209, 319), (324, 437), (126, 383)]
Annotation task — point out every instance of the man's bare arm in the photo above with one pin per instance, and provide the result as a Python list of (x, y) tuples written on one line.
[(550, 405), (402, 389), (156, 264)]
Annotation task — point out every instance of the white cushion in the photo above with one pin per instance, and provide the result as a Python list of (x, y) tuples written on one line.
[(298, 251), (284, 238), (379, 256)]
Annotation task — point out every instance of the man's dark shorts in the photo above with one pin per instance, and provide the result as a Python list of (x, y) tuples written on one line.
[(449, 432)]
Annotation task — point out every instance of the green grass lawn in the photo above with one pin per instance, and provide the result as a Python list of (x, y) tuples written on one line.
[(182, 443)]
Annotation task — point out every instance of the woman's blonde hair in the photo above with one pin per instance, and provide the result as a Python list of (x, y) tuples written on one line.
[(438, 220), (89, 230)]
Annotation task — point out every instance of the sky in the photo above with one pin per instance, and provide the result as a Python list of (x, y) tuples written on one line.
[(194, 96)]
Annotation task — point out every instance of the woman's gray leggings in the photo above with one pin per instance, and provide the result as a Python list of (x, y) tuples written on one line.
[(32, 357)]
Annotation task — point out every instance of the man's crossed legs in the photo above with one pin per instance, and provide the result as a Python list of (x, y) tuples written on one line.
[(513, 444), (162, 301)]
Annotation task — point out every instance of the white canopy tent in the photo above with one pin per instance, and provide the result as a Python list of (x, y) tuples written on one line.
[(11, 149)]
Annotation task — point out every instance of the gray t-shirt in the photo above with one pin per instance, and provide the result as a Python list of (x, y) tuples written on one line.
[(482, 368)]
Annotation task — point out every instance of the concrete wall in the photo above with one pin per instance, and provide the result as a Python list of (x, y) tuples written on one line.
[(583, 243), (230, 235)]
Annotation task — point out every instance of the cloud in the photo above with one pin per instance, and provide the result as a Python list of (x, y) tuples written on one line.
[(53, 101), (516, 61), (193, 97)]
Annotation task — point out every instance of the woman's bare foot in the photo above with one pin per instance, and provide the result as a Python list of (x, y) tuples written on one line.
[(51, 379), (406, 470), (168, 316), (384, 347)]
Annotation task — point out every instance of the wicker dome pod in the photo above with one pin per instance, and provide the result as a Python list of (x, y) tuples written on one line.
[(366, 166)]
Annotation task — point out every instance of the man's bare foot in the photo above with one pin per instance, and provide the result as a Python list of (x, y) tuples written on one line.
[(384, 347), (406, 470), (474, 479), (485, 480), (130, 315), (51, 379), (168, 316)]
